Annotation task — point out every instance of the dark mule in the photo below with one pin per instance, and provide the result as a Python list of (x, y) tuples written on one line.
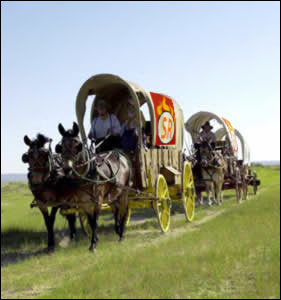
[(213, 168), (101, 178), (45, 179)]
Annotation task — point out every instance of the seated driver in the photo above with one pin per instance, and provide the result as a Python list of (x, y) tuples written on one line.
[(206, 135), (104, 125)]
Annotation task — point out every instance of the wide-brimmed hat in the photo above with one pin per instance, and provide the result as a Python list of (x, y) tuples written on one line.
[(131, 101), (207, 124), (103, 103)]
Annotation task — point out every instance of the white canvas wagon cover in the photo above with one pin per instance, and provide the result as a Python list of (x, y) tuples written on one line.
[(196, 121), (166, 116), (245, 148), (220, 134)]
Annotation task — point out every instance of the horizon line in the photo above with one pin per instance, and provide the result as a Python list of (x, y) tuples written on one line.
[(253, 162)]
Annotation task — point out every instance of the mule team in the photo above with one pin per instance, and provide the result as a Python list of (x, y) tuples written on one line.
[(81, 177)]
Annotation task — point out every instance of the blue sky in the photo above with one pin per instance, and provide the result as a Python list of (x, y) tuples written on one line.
[(222, 57)]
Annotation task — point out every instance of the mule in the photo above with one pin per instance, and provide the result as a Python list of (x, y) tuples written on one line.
[(244, 171), (213, 168), (100, 181), (44, 179)]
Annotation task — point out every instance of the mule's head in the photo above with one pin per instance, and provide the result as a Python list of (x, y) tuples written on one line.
[(70, 146), (38, 159)]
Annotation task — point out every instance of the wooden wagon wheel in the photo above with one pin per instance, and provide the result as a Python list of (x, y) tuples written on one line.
[(162, 205), (188, 192), (84, 222), (128, 217)]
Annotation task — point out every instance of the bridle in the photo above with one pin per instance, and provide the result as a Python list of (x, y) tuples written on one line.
[(69, 154), (40, 168), (208, 160)]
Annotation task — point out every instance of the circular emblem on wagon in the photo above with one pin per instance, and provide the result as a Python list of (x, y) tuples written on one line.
[(166, 127)]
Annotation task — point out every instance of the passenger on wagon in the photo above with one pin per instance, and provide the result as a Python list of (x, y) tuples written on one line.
[(130, 127), (131, 122), (105, 125)]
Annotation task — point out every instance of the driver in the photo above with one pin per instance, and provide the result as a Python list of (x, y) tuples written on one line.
[(206, 135), (103, 125)]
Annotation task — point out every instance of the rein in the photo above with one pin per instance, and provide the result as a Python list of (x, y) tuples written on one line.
[(100, 181), (76, 158)]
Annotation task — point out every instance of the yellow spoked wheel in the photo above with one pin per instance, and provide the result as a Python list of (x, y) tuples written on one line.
[(188, 192), (128, 217), (84, 222), (163, 203)]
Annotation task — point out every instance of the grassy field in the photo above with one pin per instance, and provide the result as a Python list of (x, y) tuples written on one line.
[(232, 251)]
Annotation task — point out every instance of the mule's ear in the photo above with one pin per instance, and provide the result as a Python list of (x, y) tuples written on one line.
[(27, 140), (79, 147), (24, 158), (62, 130), (75, 129), (58, 149), (42, 140)]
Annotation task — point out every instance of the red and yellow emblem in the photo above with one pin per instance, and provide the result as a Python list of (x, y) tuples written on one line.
[(165, 120), (232, 134)]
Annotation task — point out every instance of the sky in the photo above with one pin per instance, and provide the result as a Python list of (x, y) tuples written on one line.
[(222, 57)]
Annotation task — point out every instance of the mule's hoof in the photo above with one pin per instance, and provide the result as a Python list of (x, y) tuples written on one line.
[(50, 249), (92, 249), (74, 238)]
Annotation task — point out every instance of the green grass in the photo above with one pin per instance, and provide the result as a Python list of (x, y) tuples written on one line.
[(232, 251)]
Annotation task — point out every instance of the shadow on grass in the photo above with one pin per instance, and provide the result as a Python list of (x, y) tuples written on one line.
[(14, 258), (15, 238), (18, 244)]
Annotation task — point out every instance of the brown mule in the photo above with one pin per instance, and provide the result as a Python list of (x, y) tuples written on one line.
[(101, 182), (44, 182)]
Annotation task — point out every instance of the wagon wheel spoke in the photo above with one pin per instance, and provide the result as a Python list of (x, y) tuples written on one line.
[(163, 207), (86, 228), (128, 217)]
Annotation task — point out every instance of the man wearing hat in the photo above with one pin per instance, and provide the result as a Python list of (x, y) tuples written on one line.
[(206, 135), (103, 125)]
